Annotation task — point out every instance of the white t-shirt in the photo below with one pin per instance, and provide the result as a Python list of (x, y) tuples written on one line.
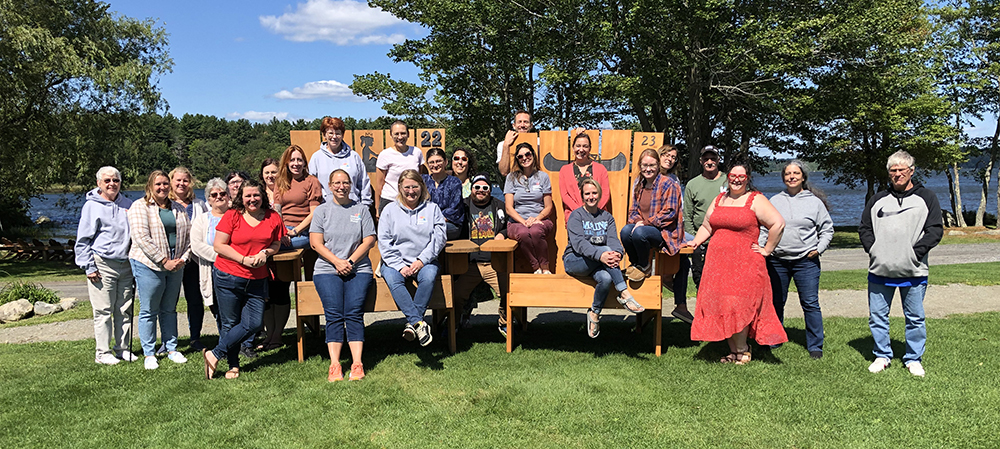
[(394, 163), (499, 150)]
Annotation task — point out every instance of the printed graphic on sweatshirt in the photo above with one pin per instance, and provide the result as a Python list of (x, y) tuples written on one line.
[(483, 226), (596, 232)]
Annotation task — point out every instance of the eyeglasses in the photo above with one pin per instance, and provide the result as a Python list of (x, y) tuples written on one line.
[(217, 195), (340, 183), (480, 187), (737, 177), (111, 181), (459, 158), (645, 166), (524, 156)]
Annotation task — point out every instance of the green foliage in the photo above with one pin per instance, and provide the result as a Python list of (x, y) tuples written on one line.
[(73, 80), (12, 291)]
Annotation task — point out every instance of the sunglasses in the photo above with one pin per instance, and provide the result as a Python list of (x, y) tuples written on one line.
[(460, 158), (480, 187), (111, 181), (524, 156), (737, 177), (217, 195)]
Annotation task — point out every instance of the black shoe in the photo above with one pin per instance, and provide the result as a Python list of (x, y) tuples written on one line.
[(196, 345), (816, 354), (248, 352)]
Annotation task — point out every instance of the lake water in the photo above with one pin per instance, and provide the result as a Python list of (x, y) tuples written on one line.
[(846, 204)]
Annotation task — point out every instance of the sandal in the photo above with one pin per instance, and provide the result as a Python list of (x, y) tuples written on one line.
[(631, 304), (233, 373), (742, 358), (268, 346), (593, 326), (209, 367), (731, 358)]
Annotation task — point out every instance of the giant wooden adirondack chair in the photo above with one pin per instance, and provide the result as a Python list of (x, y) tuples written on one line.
[(618, 151), (368, 143)]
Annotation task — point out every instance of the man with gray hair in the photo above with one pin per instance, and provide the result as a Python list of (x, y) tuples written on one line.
[(898, 229)]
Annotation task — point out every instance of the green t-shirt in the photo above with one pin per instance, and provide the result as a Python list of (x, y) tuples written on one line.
[(698, 195), (169, 225)]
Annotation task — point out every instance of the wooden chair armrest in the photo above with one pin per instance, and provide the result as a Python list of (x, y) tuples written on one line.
[(289, 255), (460, 247), (499, 246)]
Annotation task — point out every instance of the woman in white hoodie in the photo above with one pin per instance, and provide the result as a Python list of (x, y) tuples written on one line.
[(202, 238), (808, 232)]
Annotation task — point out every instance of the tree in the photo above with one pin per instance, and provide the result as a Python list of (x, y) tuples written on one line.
[(74, 79)]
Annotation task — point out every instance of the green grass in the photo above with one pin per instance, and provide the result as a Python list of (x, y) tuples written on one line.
[(558, 389), (39, 271), (847, 237)]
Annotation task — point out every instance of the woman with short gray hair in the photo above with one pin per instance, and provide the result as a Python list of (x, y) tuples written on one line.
[(202, 238), (102, 246)]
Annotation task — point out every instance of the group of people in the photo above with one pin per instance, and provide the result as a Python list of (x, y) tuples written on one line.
[(746, 248)]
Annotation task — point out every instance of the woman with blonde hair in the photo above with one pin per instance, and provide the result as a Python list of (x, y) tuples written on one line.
[(411, 235), (182, 192), (160, 233)]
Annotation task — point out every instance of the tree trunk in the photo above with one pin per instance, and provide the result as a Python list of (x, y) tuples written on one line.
[(696, 120), (956, 195), (993, 162), (984, 192)]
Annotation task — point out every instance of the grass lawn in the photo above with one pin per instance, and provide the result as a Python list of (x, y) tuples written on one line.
[(39, 271), (558, 389)]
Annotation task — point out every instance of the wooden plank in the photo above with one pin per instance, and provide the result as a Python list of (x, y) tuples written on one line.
[(615, 148), (494, 246), (309, 140), (564, 291), (368, 144), (554, 153), (641, 142), (460, 247), (429, 138)]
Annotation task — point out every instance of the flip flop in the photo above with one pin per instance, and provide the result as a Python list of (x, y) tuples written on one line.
[(209, 368), (233, 373), (631, 304)]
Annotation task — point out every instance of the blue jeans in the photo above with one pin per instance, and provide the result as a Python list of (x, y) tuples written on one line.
[(879, 300), (413, 307), (638, 241), (343, 304), (241, 307), (299, 241), (158, 292), (681, 280), (451, 230), (806, 273), (605, 276)]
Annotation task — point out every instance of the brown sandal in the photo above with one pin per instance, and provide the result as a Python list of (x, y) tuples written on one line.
[(209, 367), (233, 373), (730, 358), (742, 358)]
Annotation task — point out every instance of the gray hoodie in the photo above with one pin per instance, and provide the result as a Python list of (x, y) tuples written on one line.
[(587, 233), (808, 225), (324, 162), (405, 235), (103, 230)]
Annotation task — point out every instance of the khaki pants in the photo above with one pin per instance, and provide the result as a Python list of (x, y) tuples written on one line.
[(479, 272), (111, 298)]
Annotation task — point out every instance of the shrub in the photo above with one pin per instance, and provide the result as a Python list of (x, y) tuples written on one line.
[(12, 291)]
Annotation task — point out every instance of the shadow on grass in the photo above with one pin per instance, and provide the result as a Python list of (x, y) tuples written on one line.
[(864, 347)]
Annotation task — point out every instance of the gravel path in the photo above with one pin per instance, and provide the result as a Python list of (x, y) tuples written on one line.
[(941, 300)]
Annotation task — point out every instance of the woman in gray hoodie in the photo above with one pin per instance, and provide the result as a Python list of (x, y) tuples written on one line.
[(808, 232), (411, 234), (102, 245)]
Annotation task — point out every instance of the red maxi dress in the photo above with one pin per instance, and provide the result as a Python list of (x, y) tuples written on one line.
[(735, 289)]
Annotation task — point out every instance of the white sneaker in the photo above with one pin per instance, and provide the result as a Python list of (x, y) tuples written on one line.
[(878, 365), (177, 357), (106, 359), (127, 356), (150, 362), (916, 368)]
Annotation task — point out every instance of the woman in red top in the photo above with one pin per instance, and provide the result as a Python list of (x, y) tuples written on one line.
[(248, 234), (573, 174), (299, 194)]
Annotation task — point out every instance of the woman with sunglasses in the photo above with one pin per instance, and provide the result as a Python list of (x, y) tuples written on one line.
[(445, 191), (202, 238), (462, 167), (734, 300), (528, 201), (102, 246), (572, 175)]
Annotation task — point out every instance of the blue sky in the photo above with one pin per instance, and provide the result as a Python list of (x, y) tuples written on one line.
[(257, 59)]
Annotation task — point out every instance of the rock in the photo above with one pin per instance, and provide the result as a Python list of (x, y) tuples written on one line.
[(956, 233), (990, 232), (15, 310), (43, 221), (68, 303), (44, 308)]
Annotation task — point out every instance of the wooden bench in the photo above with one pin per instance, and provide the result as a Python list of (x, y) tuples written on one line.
[(560, 289)]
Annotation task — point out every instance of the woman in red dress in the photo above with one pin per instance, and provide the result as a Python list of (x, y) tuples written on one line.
[(734, 301)]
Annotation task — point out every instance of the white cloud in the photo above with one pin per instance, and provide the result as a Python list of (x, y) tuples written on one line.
[(319, 89), (256, 116), (343, 22)]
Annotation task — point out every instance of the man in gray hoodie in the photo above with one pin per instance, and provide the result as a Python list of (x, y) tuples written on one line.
[(102, 245), (898, 229)]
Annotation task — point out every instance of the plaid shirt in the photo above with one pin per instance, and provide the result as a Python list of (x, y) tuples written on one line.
[(665, 210), (149, 240)]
